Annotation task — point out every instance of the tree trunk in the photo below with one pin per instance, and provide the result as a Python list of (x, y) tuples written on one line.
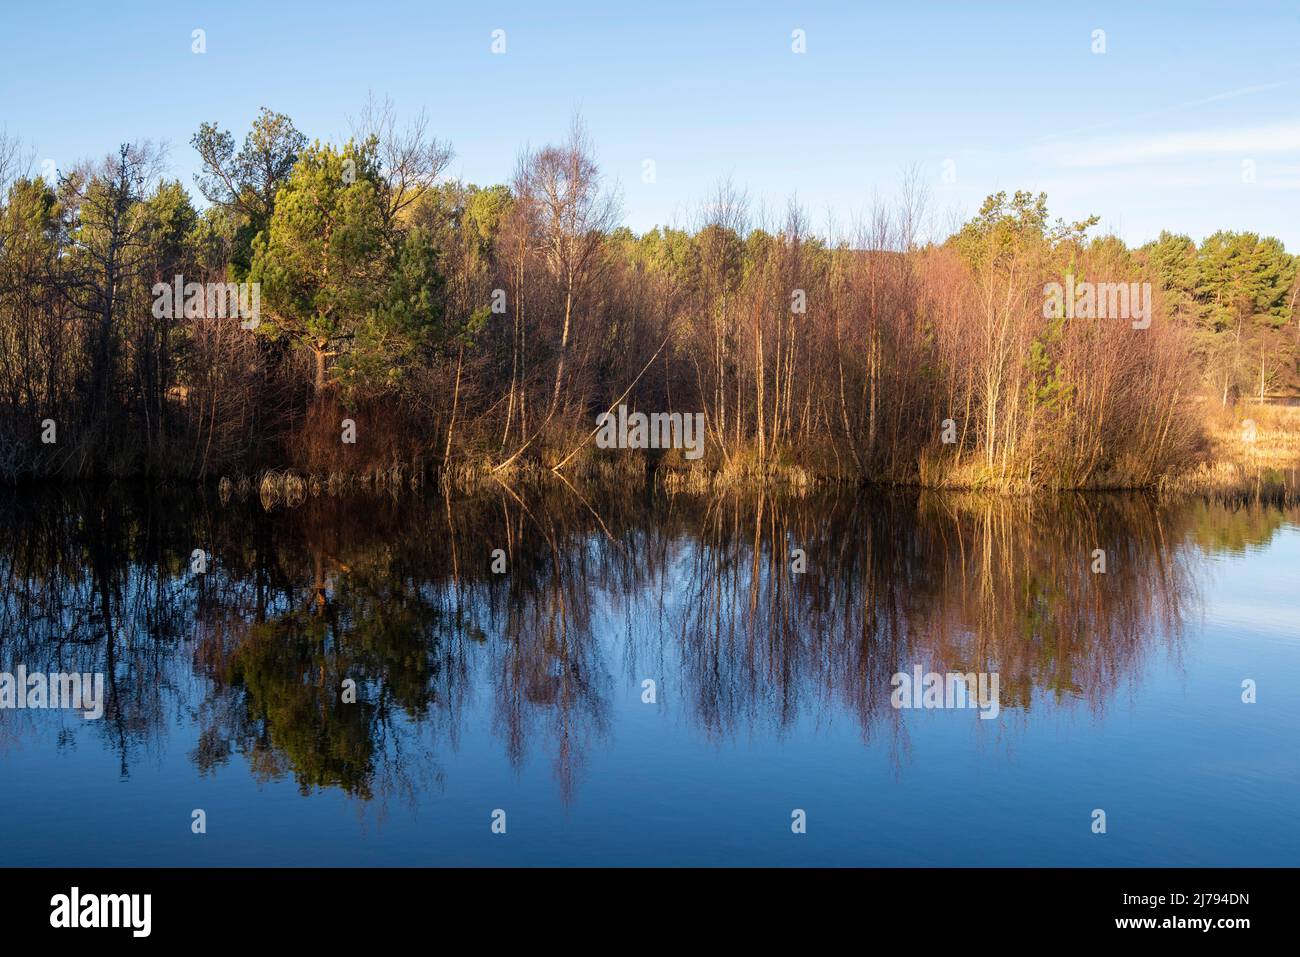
[(319, 350), (564, 348)]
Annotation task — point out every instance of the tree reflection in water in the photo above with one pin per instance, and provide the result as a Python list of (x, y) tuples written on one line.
[(603, 588)]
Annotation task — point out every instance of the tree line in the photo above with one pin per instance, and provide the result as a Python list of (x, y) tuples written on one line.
[(467, 330)]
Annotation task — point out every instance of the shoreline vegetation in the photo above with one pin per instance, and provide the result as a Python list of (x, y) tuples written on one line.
[(413, 329)]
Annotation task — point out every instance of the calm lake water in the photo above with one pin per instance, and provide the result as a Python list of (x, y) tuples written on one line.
[(771, 627)]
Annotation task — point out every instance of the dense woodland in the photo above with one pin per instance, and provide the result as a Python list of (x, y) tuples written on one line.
[(472, 330)]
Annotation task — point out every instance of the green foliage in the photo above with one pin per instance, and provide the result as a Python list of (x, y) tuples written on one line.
[(1237, 292), (29, 221), (456, 215), (320, 262), (1003, 230), (245, 183), (757, 248), (484, 211), (1242, 278), (1174, 264), (1049, 388), (173, 225), (407, 323), (247, 180)]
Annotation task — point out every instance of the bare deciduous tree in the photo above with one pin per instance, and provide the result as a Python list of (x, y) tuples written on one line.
[(573, 213)]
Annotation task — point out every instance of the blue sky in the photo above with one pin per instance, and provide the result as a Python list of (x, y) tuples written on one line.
[(1153, 133)]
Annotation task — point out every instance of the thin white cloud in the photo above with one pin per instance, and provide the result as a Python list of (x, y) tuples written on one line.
[(1166, 110), (1169, 146), (1230, 95)]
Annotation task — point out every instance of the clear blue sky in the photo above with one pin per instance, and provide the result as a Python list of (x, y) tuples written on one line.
[(1151, 134)]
